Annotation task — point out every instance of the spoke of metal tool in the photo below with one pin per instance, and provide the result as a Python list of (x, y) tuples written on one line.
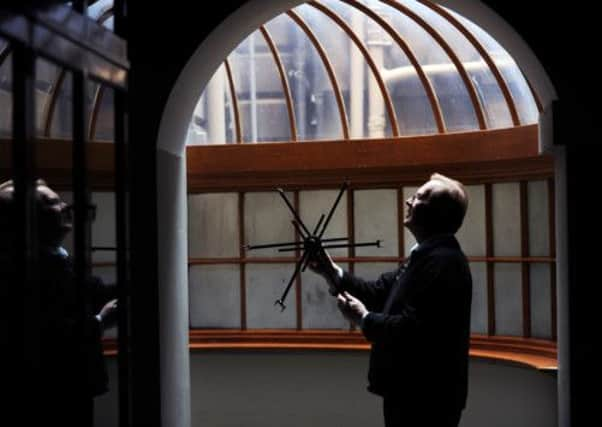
[(336, 203), (293, 211), (299, 230), (306, 263), (273, 245), (353, 245), (318, 224), (337, 239), (298, 266)]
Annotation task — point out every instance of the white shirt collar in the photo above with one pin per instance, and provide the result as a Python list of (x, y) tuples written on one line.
[(60, 251)]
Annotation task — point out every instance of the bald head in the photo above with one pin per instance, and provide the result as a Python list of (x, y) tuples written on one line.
[(53, 219), (450, 203), (437, 207)]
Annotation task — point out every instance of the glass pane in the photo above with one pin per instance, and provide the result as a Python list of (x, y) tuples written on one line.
[(506, 219), (517, 84), (376, 218), (61, 120), (267, 220), (314, 102), (495, 107), (458, 111), (99, 9), (105, 118), (314, 203), (472, 233), (47, 77), (213, 118), (261, 98), (408, 238), (103, 227), (6, 98), (508, 299), (541, 300), (266, 284), (539, 219), (109, 24), (319, 307), (214, 296), (213, 225), (412, 106), (478, 315), (364, 101)]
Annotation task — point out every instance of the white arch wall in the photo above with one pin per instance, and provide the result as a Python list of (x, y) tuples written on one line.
[(171, 171)]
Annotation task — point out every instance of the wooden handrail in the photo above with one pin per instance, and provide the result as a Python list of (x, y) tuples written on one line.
[(528, 352)]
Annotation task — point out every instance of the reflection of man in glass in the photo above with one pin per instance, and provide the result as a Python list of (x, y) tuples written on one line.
[(418, 316), (72, 361)]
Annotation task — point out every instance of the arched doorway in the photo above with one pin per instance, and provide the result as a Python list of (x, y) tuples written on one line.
[(171, 158)]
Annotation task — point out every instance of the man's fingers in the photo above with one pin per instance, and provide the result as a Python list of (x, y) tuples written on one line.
[(343, 303), (348, 297)]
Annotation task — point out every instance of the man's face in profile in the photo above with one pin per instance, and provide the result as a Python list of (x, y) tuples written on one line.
[(418, 204), (54, 216)]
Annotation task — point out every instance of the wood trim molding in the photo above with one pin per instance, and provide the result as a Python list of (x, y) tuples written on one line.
[(54, 162), (478, 156), (525, 252), (234, 100), (286, 89), (51, 102), (96, 104), (534, 353), (472, 157)]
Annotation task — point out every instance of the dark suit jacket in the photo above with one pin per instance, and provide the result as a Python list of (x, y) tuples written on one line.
[(71, 347), (419, 326)]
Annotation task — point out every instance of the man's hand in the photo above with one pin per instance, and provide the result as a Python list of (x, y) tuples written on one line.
[(108, 314), (351, 307), (321, 263)]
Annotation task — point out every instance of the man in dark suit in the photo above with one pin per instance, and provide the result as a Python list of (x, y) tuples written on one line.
[(417, 317), (72, 366)]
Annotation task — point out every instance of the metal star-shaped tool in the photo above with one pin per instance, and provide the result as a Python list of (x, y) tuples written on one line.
[(312, 243)]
